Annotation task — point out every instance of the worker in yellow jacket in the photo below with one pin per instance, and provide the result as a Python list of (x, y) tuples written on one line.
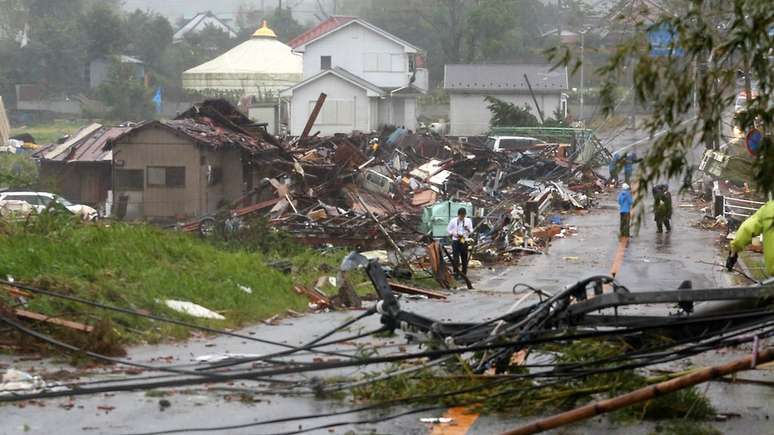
[(762, 222)]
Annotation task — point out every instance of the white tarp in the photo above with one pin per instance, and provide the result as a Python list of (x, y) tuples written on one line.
[(192, 309)]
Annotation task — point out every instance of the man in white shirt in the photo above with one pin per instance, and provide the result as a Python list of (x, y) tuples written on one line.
[(460, 229)]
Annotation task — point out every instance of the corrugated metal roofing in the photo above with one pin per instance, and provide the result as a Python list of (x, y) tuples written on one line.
[(503, 78), (88, 145)]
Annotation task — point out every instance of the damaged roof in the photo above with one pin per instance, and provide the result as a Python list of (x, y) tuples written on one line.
[(216, 124), (503, 78), (87, 145)]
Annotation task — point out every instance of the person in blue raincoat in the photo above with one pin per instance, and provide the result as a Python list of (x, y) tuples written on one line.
[(625, 202)]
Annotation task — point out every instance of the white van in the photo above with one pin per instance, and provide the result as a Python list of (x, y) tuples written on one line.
[(500, 144)]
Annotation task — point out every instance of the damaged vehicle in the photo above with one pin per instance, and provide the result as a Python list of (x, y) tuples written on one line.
[(39, 202)]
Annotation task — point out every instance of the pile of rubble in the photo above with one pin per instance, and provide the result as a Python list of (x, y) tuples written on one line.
[(399, 189)]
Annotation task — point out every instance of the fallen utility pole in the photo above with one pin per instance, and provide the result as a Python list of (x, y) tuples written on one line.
[(532, 93), (646, 393)]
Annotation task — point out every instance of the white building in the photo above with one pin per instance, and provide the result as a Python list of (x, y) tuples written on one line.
[(371, 78), (201, 21), (261, 66), (469, 85)]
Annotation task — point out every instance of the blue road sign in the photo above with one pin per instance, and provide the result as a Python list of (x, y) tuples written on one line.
[(753, 141)]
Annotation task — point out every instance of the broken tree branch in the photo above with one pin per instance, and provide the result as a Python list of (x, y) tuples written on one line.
[(646, 393)]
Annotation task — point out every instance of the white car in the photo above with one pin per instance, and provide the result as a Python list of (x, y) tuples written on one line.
[(40, 201), (511, 143)]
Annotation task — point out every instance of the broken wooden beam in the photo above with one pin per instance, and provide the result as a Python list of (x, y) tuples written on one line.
[(314, 296), (409, 290), (31, 315)]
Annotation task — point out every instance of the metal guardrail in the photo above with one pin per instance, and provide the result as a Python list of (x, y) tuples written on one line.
[(732, 208), (739, 208)]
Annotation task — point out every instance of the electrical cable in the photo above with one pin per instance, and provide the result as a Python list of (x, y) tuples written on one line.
[(238, 361), (315, 367), (145, 315)]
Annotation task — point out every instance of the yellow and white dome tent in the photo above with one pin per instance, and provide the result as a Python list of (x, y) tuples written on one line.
[(259, 66)]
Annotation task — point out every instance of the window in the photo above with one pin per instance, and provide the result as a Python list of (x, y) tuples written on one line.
[(214, 175), (166, 176), (335, 112), (129, 179), (412, 59), (325, 62), (398, 63), (380, 62)]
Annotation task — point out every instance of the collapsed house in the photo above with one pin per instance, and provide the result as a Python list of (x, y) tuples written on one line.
[(191, 166)]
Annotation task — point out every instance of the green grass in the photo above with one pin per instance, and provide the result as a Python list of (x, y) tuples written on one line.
[(137, 266), (50, 132)]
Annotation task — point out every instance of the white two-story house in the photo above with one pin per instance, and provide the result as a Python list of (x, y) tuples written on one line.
[(371, 78)]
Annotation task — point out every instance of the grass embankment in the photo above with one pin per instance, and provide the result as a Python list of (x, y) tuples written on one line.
[(139, 266), (50, 132)]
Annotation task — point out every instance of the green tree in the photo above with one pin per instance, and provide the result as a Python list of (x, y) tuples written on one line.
[(211, 41), (690, 92), (149, 35), (280, 20), (127, 97), (505, 114), (104, 31)]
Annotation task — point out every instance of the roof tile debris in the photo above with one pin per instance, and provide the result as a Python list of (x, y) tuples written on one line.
[(216, 124)]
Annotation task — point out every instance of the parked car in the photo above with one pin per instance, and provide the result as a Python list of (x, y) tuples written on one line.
[(41, 201), (511, 143)]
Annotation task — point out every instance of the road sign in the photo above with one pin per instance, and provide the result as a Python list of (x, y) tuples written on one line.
[(753, 141), (661, 39)]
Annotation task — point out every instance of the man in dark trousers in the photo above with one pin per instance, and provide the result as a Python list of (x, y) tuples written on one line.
[(662, 208), (460, 229), (625, 202)]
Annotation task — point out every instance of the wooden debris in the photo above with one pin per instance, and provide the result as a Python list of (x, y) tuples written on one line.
[(409, 290), (53, 320), (313, 295)]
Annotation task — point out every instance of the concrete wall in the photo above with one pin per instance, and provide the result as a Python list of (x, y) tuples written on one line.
[(469, 116), (350, 47), (337, 90)]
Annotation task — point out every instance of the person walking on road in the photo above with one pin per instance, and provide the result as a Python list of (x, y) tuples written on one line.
[(762, 222), (615, 168), (662, 208), (460, 229), (625, 201), (629, 160)]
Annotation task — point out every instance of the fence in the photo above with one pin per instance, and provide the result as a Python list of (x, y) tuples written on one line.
[(731, 208)]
